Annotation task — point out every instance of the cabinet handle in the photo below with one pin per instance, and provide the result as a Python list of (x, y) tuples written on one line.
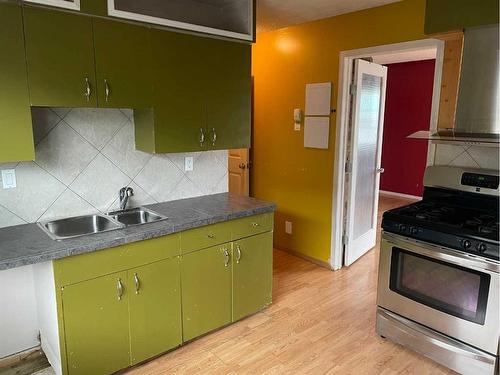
[(226, 257), (211, 236), (255, 225), (202, 137), (238, 253), (137, 283), (107, 91), (214, 136), (88, 90), (242, 166), (119, 289)]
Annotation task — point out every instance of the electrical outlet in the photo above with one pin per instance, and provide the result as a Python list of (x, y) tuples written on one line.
[(288, 227), (9, 178), (188, 163)]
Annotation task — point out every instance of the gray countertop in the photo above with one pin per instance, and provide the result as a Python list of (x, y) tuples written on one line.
[(21, 245)]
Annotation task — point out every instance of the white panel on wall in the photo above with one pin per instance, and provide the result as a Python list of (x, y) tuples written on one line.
[(84, 156), (316, 132), (18, 318), (318, 99)]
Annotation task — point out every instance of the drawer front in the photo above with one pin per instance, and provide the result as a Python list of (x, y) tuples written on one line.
[(87, 266), (251, 225), (207, 236)]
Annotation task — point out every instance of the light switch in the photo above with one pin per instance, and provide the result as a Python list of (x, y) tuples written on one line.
[(188, 163), (288, 227), (9, 178)]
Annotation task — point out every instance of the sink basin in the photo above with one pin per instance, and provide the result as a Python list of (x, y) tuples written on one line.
[(136, 216), (79, 226)]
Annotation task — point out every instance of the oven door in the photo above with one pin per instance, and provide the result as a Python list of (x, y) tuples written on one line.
[(446, 290)]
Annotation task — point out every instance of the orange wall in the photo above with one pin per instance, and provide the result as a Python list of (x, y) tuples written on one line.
[(299, 180)]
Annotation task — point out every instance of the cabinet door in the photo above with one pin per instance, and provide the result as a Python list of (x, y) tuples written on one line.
[(180, 77), (229, 95), (96, 325), (155, 309), (123, 64), (252, 274), (16, 140), (60, 56), (206, 290)]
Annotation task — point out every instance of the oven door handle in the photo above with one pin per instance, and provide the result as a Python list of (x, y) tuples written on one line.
[(441, 253)]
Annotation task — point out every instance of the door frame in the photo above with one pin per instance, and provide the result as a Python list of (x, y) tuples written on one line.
[(346, 59)]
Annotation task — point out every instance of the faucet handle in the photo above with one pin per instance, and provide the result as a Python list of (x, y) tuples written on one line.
[(129, 191)]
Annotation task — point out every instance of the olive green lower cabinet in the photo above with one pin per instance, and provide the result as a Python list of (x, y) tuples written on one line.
[(103, 311)]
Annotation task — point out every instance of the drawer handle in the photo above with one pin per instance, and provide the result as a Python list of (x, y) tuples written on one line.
[(226, 258), (238, 253), (119, 289), (211, 236), (255, 225), (137, 283)]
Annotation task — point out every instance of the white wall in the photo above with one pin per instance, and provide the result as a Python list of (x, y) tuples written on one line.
[(18, 318)]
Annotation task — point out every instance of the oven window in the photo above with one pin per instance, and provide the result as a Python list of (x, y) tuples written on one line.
[(443, 286)]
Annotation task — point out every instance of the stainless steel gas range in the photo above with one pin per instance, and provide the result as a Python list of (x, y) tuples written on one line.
[(438, 287)]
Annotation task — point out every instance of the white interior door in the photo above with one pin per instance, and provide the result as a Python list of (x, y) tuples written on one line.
[(364, 153)]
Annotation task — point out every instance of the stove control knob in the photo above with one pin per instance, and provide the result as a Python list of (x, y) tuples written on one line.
[(466, 244), (413, 230), (481, 247), (402, 228)]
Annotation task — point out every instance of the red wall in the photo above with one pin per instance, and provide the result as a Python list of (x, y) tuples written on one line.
[(407, 110)]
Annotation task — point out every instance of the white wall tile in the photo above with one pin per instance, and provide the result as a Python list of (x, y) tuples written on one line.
[(100, 182), (8, 218), (97, 126), (486, 157), (66, 205), (89, 177), (64, 153), (121, 151), (44, 121), (35, 192), (159, 177)]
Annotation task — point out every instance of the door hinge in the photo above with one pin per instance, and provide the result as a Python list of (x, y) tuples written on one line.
[(352, 89)]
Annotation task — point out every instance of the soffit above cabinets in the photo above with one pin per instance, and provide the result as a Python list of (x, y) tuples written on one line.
[(276, 14)]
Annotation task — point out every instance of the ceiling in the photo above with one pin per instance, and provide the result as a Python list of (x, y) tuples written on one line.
[(276, 14)]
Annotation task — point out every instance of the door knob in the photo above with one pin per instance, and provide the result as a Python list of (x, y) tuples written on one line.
[(380, 170), (242, 166)]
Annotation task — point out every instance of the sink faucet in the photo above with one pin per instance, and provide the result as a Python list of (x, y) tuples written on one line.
[(125, 193)]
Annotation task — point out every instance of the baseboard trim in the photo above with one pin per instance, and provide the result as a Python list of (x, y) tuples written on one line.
[(399, 195), (308, 258), (21, 356)]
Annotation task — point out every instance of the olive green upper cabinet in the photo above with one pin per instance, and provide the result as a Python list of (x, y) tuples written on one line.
[(451, 15), (16, 140), (179, 95), (96, 321), (59, 49), (228, 95), (206, 290), (123, 64)]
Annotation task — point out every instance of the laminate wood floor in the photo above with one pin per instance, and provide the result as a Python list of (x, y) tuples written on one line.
[(320, 322)]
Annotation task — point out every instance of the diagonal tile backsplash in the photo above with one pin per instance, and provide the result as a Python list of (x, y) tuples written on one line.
[(84, 156), (467, 156)]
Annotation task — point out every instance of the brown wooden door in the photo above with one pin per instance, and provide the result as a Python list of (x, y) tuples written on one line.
[(238, 171)]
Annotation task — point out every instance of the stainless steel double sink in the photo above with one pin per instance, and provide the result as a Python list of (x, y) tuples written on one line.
[(98, 223)]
